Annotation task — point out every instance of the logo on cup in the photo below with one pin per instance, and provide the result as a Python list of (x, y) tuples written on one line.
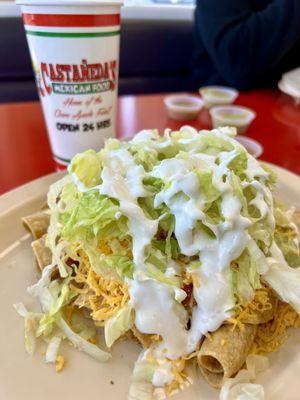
[(76, 79)]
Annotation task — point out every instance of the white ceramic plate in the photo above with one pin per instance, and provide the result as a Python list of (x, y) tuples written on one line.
[(24, 377)]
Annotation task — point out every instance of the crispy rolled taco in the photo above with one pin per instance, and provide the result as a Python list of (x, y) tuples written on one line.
[(224, 352), (42, 253), (37, 223), (257, 317)]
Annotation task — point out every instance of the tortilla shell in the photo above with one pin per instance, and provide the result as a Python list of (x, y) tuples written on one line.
[(37, 223), (144, 339), (224, 352), (42, 253), (262, 317)]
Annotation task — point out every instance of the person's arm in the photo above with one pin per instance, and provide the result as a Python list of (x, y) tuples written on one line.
[(244, 44)]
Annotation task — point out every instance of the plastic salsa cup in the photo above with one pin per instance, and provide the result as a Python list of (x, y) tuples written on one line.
[(218, 95), (74, 48), (183, 107), (252, 146), (236, 116)]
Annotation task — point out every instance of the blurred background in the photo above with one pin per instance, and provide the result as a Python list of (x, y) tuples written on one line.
[(172, 46), (156, 49)]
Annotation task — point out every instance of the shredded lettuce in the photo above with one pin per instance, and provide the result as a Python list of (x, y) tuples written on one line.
[(239, 164), (31, 321), (40, 289), (46, 325), (209, 143), (245, 278), (241, 387), (87, 167), (283, 279), (122, 264), (91, 218), (54, 229), (80, 343), (141, 386), (85, 329), (53, 319), (157, 259), (65, 297), (257, 257), (287, 236), (244, 391), (207, 189), (159, 276), (145, 156), (48, 321), (52, 349), (118, 324)]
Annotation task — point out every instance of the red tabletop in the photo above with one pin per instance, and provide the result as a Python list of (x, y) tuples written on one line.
[(25, 152)]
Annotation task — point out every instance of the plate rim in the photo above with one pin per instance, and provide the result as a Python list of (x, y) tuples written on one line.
[(10, 199)]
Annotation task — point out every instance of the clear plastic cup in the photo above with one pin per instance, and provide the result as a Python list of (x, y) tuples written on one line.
[(236, 116), (74, 48), (218, 95), (252, 146), (183, 107)]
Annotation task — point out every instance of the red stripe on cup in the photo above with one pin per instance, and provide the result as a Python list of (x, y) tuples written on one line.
[(70, 20), (59, 166)]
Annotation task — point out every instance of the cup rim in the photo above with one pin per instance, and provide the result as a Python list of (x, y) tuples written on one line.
[(233, 93), (198, 102), (256, 147), (251, 114)]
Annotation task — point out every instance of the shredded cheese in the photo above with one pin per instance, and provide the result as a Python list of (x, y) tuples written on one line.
[(271, 335), (187, 278), (123, 247), (60, 363), (146, 340), (180, 380), (93, 340), (151, 359), (196, 281), (260, 304), (104, 297)]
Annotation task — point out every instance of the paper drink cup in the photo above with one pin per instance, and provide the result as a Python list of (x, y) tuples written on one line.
[(74, 48)]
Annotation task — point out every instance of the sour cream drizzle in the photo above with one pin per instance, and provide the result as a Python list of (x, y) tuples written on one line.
[(156, 309), (122, 180)]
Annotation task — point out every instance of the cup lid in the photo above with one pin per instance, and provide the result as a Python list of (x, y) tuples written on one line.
[(64, 3)]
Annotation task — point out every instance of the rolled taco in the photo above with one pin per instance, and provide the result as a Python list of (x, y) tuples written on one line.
[(37, 223), (224, 352), (42, 253), (261, 317)]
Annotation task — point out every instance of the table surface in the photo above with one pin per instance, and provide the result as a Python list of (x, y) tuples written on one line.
[(25, 152)]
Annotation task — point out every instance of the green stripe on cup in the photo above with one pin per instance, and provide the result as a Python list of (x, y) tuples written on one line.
[(65, 160), (73, 34)]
